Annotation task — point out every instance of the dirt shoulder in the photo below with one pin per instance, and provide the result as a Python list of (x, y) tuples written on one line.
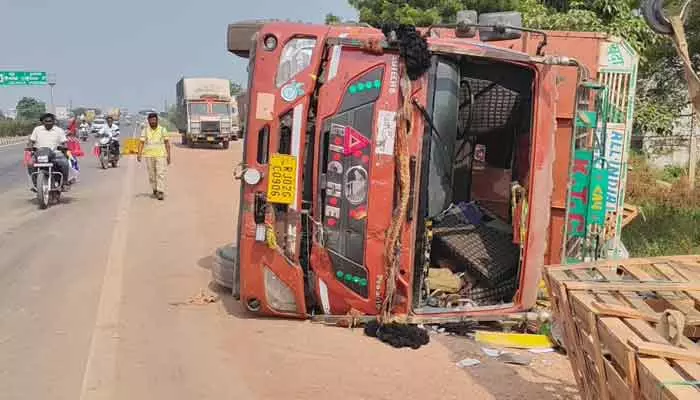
[(167, 349)]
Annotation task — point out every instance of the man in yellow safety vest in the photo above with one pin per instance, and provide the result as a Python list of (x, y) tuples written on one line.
[(155, 147)]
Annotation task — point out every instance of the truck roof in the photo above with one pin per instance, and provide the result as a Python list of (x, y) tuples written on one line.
[(199, 88), (240, 37)]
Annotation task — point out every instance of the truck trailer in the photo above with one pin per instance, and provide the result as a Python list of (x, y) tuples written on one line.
[(204, 112)]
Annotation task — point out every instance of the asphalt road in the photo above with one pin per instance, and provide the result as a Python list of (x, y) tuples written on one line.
[(51, 273), (12, 172), (13, 175)]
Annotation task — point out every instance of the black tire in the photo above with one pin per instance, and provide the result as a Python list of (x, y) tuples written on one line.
[(225, 144), (236, 289), (42, 191), (184, 140), (103, 160), (55, 197), (653, 13)]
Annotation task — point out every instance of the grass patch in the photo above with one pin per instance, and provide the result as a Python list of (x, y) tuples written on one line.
[(10, 128), (669, 223), (663, 230)]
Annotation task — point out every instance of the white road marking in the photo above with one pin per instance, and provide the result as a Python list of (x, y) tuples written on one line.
[(100, 369)]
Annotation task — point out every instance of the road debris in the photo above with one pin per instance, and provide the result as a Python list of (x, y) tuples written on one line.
[(468, 362), (513, 358), (491, 352), (199, 299), (542, 351), (513, 340), (398, 335)]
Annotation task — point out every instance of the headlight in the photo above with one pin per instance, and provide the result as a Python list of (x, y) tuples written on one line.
[(270, 42), (42, 159), (252, 176), (278, 294)]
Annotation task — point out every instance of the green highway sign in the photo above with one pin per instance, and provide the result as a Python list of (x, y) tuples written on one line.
[(23, 78)]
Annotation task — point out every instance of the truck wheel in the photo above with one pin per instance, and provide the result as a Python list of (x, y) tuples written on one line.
[(103, 160), (42, 190), (184, 140), (653, 13), (225, 144)]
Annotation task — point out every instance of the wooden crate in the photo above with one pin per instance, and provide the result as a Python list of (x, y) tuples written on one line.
[(609, 313)]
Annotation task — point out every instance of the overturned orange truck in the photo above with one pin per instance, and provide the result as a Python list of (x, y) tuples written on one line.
[(507, 154)]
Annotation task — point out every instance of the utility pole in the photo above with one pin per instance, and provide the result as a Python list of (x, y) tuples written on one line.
[(693, 156), (51, 80)]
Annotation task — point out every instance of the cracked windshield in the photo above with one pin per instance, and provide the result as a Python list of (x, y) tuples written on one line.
[(286, 200)]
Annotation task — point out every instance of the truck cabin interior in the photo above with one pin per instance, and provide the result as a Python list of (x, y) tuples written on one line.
[(476, 169)]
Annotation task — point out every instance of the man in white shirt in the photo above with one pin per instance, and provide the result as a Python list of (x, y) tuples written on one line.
[(51, 136), (84, 126), (111, 130)]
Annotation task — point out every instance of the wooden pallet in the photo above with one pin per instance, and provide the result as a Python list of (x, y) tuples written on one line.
[(609, 314), (629, 213)]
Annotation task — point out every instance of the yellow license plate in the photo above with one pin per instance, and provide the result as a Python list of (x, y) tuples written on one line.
[(282, 180), (210, 139)]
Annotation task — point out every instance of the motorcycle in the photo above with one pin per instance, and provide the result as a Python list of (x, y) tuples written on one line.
[(47, 181), (83, 134), (107, 150)]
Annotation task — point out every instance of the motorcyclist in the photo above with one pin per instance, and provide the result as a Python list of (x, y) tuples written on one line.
[(50, 136), (84, 126), (111, 130)]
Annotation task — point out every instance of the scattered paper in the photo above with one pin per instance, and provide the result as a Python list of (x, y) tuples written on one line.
[(512, 358), (468, 362), (491, 352), (542, 351)]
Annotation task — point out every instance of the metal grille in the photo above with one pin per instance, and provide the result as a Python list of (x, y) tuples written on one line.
[(618, 84), (503, 292), (210, 126), (488, 255), (493, 106)]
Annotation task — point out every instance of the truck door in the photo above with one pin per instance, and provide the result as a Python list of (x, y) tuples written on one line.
[(283, 74), (532, 211), (354, 174), (588, 177)]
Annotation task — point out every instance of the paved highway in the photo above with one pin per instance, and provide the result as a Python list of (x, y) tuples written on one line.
[(12, 173)]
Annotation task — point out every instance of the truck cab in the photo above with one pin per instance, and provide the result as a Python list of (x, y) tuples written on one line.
[(204, 112), (366, 191)]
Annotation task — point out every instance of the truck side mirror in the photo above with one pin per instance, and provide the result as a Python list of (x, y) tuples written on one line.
[(499, 26), (466, 19), (239, 38)]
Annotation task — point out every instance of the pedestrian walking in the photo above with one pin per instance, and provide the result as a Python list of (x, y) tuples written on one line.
[(155, 148)]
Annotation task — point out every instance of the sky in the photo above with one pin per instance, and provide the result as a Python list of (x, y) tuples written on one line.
[(131, 53)]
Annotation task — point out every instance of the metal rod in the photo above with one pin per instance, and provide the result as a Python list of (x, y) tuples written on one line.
[(52, 105)]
